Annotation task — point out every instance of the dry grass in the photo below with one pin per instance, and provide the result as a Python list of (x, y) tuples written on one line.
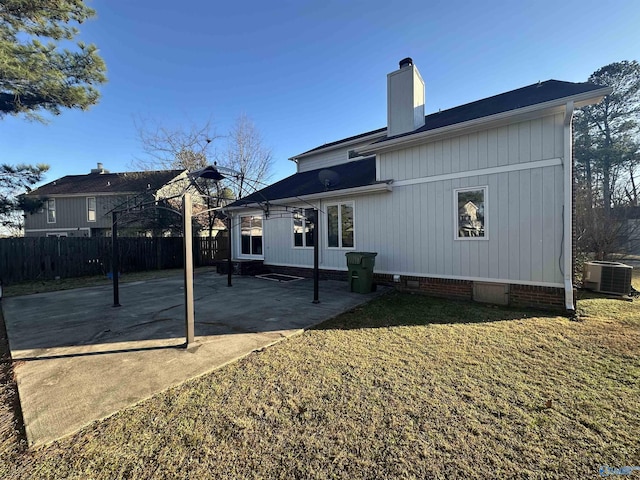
[(405, 387), (12, 436)]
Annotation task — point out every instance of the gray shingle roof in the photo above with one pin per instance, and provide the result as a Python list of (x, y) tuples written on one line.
[(106, 183), (358, 173), (522, 97)]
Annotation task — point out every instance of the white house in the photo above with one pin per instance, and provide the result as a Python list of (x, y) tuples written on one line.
[(398, 191)]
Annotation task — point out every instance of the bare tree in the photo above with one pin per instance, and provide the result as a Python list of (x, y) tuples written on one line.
[(190, 148), (168, 148), (246, 154)]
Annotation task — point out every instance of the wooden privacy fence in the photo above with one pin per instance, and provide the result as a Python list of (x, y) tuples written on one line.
[(45, 258)]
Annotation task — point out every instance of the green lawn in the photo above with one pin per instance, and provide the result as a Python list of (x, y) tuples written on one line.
[(405, 387)]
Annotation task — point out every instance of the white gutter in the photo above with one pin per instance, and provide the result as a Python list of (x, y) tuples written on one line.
[(376, 188), (567, 233), (579, 100)]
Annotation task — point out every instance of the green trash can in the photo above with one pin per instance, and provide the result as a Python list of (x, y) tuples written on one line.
[(360, 265)]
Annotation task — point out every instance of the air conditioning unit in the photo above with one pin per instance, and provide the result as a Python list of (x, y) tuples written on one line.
[(607, 277)]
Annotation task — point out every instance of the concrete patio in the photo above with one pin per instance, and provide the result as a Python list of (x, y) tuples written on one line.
[(79, 359)]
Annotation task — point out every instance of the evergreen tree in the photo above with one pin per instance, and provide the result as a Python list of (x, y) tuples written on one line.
[(36, 74), (15, 180)]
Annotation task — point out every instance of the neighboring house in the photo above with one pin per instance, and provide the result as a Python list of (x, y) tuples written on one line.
[(398, 191), (469, 223), (627, 231), (81, 205)]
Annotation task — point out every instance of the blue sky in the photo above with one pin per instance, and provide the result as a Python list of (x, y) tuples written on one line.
[(309, 72)]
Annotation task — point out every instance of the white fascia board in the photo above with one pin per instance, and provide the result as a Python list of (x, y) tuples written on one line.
[(518, 115), (339, 145), (377, 188)]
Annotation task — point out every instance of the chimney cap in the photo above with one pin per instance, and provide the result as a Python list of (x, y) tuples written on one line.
[(406, 62)]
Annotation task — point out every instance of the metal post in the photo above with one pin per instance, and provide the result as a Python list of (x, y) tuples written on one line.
[(188, 269), (115, 259), (229, 262), (316, 250)]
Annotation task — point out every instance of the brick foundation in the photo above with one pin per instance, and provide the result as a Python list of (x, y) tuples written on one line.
[(546, 298)]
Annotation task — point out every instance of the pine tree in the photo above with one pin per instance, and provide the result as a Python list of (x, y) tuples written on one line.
[(36, 73)]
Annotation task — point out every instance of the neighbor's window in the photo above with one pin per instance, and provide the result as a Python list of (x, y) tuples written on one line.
[(51, 210), (91, 209), (470, 217), (303, 227), (251, 235), (340, 225)]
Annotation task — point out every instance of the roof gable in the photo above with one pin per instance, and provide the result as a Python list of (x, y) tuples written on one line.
[(107, 183)]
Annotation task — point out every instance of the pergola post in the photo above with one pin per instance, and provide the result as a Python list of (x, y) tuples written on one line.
[(188, 269), (229, 261), (316, 251), (115, 259)]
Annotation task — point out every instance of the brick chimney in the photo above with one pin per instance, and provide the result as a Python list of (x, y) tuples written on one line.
[(405, 99)]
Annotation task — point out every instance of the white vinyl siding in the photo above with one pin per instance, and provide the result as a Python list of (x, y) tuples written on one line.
[(523, 142), (412, 228), (333, 157)]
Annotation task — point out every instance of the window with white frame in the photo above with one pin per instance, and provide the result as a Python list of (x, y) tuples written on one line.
[(303, 227), (470, 213), (91, 209), (251, 235), (51, 210), (340, 226)]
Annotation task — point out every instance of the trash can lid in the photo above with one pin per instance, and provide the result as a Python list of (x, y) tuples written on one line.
[(356, 257)]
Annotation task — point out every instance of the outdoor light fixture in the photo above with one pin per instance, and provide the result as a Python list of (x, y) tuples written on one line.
[(209, 172)]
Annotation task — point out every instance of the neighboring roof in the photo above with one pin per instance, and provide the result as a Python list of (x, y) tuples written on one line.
[(522, 97), (354, 174), (106, 183)]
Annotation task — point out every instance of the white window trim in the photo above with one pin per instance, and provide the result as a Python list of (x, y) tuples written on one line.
[(337, 204), (485, 189), (95, 211), (239, 241), (55, 213), (293, 233)]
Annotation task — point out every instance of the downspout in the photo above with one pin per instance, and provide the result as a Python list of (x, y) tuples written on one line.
[(567, 217)]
